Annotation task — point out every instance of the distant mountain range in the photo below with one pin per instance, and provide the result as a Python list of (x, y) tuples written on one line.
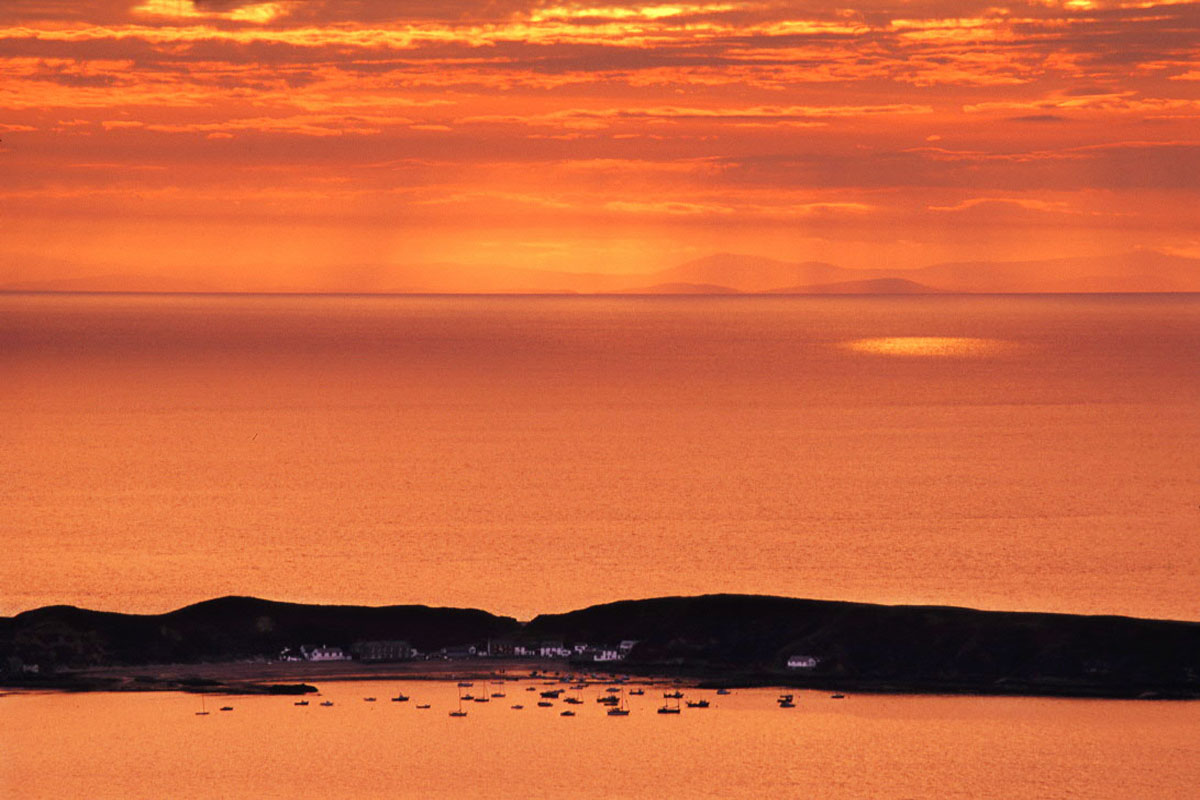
[(723, 273), (743, 639)]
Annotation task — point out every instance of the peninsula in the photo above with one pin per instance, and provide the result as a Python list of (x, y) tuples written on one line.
[(719, 640)]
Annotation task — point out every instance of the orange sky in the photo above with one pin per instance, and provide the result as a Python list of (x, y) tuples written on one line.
[(316, 144)]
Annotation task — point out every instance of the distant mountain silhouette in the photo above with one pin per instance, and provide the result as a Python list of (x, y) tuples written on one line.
[(869, 286), (681, 288), (1137, 271), (754, 273), (722, 273)]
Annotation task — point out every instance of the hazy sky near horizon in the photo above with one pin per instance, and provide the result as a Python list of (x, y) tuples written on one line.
[(316, 144)]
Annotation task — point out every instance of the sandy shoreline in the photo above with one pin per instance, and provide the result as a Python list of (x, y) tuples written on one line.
[(298, 677)]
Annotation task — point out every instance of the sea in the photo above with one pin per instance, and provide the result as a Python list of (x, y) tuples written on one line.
[(155, 745), (539, 454), (530, 454)]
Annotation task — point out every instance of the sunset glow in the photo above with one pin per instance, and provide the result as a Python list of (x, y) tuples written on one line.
[(928, 346), (325, 145)]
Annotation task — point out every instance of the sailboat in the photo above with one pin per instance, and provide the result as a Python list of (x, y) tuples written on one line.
[(400, 697), (621, 709), (667, 708), (203, 712), (460, 712)]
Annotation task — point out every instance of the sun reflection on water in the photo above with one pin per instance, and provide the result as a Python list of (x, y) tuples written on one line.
[(934, 346)]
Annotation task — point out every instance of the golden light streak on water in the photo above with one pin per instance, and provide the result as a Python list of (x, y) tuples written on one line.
[(938, 346)]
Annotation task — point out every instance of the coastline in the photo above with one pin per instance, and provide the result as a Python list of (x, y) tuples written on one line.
[(295, 678), (252, 646)]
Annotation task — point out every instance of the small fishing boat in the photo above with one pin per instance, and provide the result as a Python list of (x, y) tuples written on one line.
[(675, 695), (545, 703), (423, 705), (300, 703), (621, 709), (460, 712), (368, 699), (465, 684), (637, 691), (567, 713), (722, 691), (400, 698), (227, 708), (837, 696), (327, 703), (518, 707), (697, 704)]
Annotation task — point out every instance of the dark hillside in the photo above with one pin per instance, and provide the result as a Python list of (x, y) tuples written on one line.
[(905, 646), (230, 628)]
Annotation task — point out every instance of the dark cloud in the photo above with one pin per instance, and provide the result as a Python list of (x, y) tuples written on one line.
[(19, 11), (1040, 118), (379, 11), (1127, 166)]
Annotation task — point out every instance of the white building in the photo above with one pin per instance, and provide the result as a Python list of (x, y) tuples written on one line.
[(801, 662), (554, 650), (325, 653)]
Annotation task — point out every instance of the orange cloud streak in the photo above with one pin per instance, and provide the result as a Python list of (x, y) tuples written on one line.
[(915, 130)]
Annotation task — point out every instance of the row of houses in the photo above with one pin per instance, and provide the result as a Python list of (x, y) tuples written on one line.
[(397, 650)]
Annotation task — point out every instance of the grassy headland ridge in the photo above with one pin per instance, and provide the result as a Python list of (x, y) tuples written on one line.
[(730, 639)]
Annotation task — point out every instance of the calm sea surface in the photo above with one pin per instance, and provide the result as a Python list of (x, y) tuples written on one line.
[(528, 454), (101, 746)]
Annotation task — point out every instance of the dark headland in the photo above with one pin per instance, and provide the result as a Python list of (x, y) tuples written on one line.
[(733, 640)]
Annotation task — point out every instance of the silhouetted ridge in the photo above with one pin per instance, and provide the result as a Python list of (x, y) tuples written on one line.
[(742, 638), (233, 627), (910, 646)]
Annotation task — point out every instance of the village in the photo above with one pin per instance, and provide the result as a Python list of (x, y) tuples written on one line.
[(578, 653), (399, 650)]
